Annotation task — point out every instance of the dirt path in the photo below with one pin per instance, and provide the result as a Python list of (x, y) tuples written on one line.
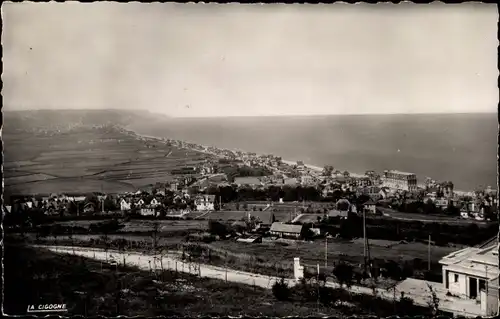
[(172, 261)]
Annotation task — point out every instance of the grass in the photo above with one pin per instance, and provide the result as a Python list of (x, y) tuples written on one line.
[(264, 216), (274, 258), (89, 290)]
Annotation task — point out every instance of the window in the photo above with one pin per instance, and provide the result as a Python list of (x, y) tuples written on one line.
[(455, 278)]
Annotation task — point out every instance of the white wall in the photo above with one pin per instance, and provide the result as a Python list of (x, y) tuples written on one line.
[(457, 288), (492, 299)]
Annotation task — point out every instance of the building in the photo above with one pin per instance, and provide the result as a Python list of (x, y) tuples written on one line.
[(154, 203), (471, 274), (125, 205), (446, 188), (372, 191), (286, 230), (307, 180), (247, 181), (370, 207), (148, 212), (397, 180), (205, 202)]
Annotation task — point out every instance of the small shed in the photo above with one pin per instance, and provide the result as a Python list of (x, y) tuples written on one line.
[(287, 230)]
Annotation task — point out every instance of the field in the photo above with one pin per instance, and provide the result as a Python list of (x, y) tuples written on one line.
[(264, 216), (142, 226), (172, 234), (88, 160), (393, 214), (312, 253)]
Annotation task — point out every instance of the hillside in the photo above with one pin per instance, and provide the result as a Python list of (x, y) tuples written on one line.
[(34, 120), (85, 151)]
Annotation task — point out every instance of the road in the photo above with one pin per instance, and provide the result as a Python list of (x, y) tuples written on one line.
[(172, 261), (415, 289)]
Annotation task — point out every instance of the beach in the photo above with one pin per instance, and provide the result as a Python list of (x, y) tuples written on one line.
[(289, 162)]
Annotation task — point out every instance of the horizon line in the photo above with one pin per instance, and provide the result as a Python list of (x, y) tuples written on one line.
[(250, 116), (332, 114)]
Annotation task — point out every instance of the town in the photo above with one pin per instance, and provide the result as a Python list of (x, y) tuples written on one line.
[(251, 199)]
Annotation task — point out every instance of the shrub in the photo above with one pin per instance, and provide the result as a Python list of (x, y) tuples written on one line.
[(281, 291), (344, 274)]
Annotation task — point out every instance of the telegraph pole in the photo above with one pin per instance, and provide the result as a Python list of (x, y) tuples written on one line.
[(326, 251), (429, 254), (364, 237), (317, 284)]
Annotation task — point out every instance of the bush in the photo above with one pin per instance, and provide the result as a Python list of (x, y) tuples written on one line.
[(344, 274), (281, 291)]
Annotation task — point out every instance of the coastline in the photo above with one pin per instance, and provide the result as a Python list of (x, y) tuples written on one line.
[(287, 162)]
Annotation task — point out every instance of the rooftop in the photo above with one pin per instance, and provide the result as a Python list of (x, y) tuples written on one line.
[(480, 262), (286, 228), (399, 172)]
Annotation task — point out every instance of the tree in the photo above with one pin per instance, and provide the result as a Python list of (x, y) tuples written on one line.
[(327, 170), (281, 291), (433, 301), (344, 274), (154, 236)]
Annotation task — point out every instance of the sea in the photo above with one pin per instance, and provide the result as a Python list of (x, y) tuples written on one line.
[(461, 148)]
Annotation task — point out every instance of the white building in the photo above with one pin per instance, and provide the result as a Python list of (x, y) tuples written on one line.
[(154, 203), (397, 180), (124, 205), (471, 274), (148, 212), (205, 202)]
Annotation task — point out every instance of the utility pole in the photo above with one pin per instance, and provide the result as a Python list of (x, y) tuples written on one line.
[(364, 238), (226, 266), (429, 254), (317, 284), (326, 251)]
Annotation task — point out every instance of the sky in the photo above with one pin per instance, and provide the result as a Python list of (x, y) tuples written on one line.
[(201, 60)]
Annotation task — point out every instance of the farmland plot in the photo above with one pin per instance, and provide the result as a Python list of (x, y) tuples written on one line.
[(71, 185), (26, 179), (264, 216)]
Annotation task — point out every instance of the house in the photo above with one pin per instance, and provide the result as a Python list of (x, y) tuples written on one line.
[(79, 198), (370, 207), (471, 276), (290, 181), (287, 230), (205, 202), (307, 180), (251, 239), (442, 203), (148, 212), (89, 207), (384, 192), (154, 203), (249, 180), (139, 203), (125, 205), (371, 191)]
